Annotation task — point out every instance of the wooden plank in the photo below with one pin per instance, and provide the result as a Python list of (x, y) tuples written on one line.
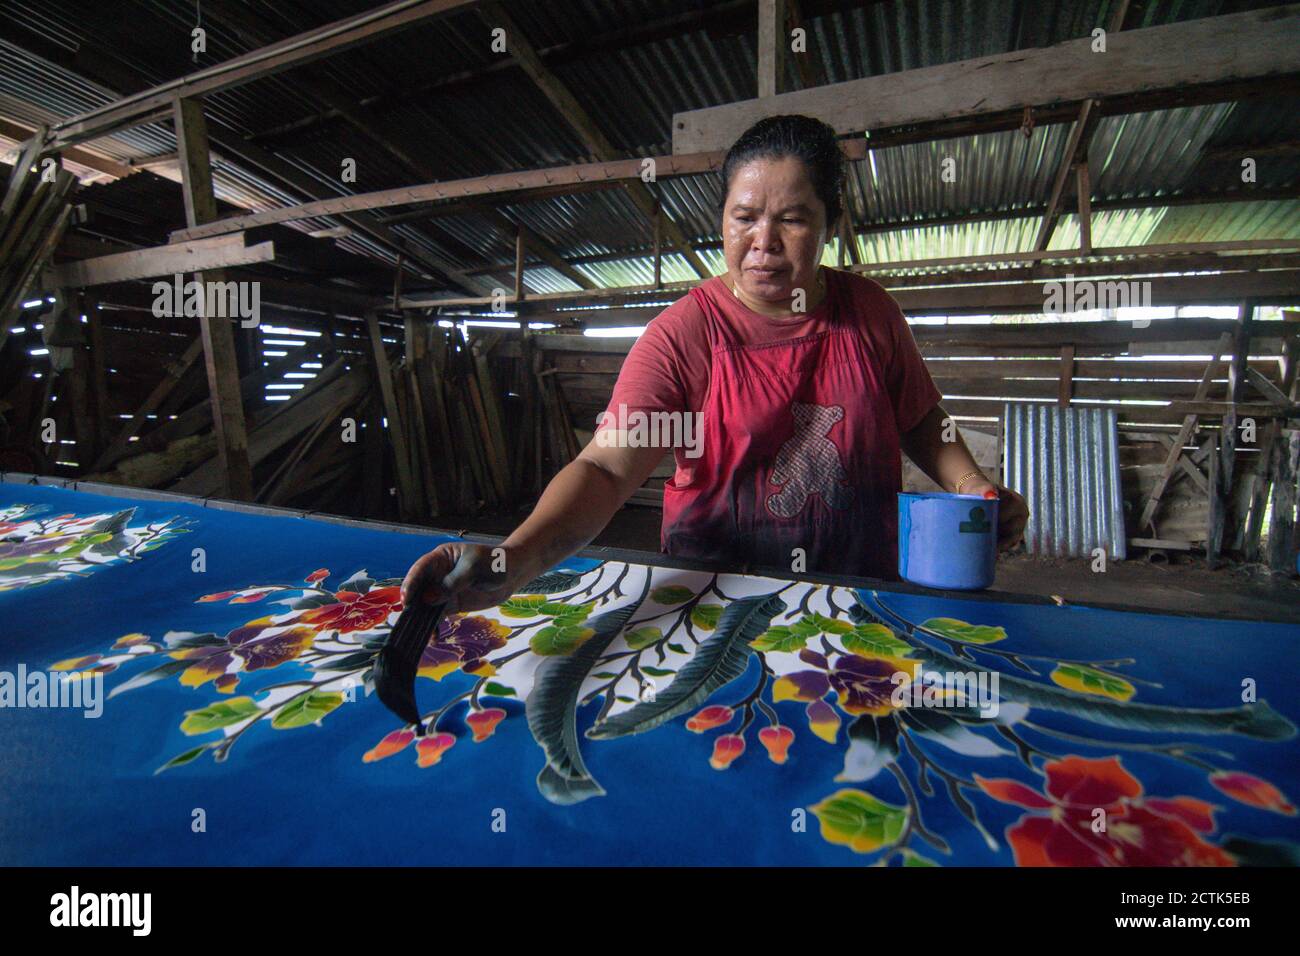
[(772, 42), (172, 374), (1161, 543), (24, 275), (1084, 193), (1075, 143), (1184, 435), (20, 175), (281, 426), (1213, 49), (198, 256), (622, 170), (218, 337)]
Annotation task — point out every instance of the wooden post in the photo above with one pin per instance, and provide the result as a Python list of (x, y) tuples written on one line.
[(519, 265), (1066, 390), (1225, 517), (1282, 523), (772, 46), (218, 337), (1085, 208), (659, 240), (406, 491), (98, 375)]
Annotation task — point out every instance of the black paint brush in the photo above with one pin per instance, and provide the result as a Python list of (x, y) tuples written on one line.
[(399, 659)]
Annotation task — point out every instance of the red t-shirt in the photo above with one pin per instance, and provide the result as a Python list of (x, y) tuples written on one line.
[(667, 368)]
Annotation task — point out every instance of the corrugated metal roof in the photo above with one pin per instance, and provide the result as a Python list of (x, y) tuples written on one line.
[(631, 64)]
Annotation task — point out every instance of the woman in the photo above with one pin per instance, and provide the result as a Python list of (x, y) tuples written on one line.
[(807, 382)]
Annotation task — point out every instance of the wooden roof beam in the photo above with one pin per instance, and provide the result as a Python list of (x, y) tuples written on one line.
[(1259, 43), (583, 124)]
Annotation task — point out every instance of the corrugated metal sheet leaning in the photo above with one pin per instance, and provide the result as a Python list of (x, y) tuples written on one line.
[(1065, 461)]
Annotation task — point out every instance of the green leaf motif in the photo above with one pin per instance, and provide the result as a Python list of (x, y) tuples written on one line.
[(791, 638), (568, 613), (717, 662), (963, 632), (181, 760), (643, 637), (1090, 680), (223, 713), (705, 616), (553, 641), (657, 671), (860, 821), (912, 858), (310, 709), (522, 605), (780, 638), (493, 689), (827, 625), (867, 640), (671, 594)]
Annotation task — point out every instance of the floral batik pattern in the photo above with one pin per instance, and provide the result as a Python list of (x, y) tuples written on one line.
[(37, 549), (640, 650)]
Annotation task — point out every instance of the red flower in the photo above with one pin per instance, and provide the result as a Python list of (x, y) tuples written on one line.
[(777, 740), (354, 612), (484, 722), (725, 751), (1249, 789), (1161, 831), (708, 718), (432, 748)]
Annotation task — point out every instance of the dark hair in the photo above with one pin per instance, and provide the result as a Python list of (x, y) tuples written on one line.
[(802, 137)]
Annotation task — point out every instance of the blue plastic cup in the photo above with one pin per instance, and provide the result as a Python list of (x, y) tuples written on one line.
[(947, 541)]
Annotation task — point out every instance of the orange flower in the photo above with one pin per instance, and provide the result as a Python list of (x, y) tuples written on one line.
[(1251, 790), (219, 596), (777, 740), (484, 722), (390, 745), (432, 748), (708, 718), (318, 575), (354, 612), (725, 751)]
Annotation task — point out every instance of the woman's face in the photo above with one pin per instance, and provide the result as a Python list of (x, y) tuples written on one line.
[(773, 230)]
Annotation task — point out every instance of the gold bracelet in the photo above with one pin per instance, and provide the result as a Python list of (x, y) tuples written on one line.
[(965, 478)]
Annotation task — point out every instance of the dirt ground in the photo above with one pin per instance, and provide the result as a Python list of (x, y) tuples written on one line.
[(1238, 592)]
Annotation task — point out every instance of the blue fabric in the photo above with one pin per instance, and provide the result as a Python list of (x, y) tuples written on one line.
[(81, 791)]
